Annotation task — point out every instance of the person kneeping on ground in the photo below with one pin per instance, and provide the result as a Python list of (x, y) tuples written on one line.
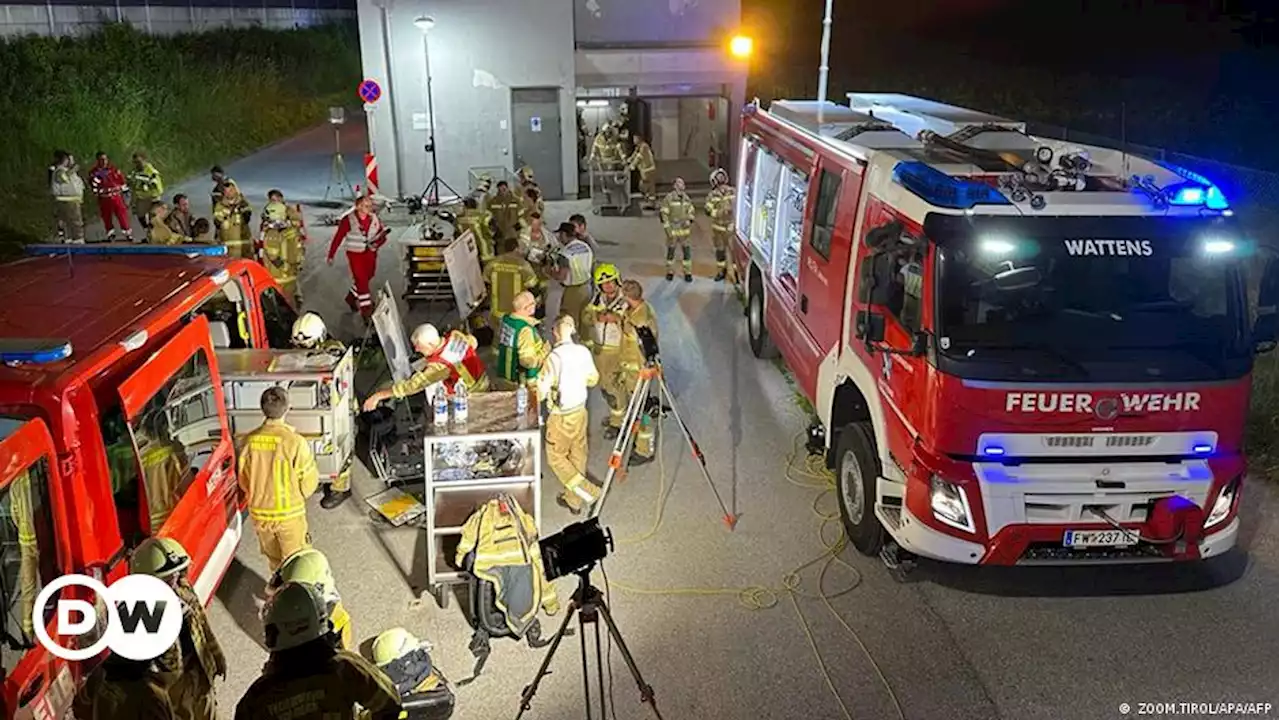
[(277, 475), (566, 375), (307, 676)]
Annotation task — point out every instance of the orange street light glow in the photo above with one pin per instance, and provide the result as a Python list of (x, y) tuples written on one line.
[(740, 46)]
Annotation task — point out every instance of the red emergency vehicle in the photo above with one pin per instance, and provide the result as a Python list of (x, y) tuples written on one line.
[(112, 415), (1018, 349)]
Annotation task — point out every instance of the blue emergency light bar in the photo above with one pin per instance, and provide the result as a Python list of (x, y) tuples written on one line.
[(23, 351), (940, 189), (1198, 191), (192, 250)]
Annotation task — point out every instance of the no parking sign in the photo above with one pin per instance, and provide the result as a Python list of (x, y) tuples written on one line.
[(369, 91)]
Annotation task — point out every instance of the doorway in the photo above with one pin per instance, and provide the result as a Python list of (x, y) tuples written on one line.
[(535, 123)]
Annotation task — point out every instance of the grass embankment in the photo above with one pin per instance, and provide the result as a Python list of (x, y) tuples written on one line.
[(190, 101)]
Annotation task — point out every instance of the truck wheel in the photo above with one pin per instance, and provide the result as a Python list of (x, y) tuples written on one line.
[(857, 467), (761, 346)]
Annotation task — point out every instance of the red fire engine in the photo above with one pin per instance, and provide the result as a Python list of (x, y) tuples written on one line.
[(113, 426), (1019, 350)]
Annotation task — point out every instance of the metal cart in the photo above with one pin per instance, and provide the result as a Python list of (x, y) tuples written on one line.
[(425, 274), (610, 188)]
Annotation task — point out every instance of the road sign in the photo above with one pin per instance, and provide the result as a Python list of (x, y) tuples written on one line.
[(369, 91)]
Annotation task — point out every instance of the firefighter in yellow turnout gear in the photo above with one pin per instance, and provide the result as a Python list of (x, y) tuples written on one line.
[(164, 465), (310, 333), (145, 187), (520, 347), (638, 313), (643, 162), (123, 689), (507, 275), (720, 208), (567, 374), (22, 514), (677, 222), (231, 217), (307, 675), (277, 475), (191, 665), (477, 220), (311, 567), (282, 237), (505, 209), (602, 323)]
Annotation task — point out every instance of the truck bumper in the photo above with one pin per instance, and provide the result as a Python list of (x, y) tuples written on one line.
[(920, 539), (1221, 541)]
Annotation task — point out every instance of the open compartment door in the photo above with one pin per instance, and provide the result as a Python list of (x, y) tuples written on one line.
[(391, 334)]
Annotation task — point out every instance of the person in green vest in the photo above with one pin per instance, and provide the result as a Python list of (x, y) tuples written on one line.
[(520, 347)]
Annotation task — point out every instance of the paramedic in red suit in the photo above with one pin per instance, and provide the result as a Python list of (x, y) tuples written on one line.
[(360, 233), (109, 185)]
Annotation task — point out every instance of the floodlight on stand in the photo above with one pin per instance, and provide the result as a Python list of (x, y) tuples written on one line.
[(425, 23), (575, 549), (337, 115)]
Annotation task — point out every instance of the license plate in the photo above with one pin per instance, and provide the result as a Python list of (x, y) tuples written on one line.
[(1099, 538)]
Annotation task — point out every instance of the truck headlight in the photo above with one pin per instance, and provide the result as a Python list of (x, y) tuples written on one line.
[(949, 504), (1222, 506)]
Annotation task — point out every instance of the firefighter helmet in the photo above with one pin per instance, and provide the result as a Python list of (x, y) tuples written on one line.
[(392, 645), (309, 566), (309, 330), (719, 177), (425, 336), (526, 174), (295, 615), (159, 556), (606, 272)]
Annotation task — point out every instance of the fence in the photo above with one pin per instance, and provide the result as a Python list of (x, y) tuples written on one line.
[(60, 18)]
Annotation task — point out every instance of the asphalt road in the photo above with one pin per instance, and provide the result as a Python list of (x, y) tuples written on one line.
[(950, 642)]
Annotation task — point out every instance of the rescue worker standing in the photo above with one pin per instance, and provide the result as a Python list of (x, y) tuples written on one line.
[(282, 237), (219, 178), (164, 465), (507, 275), (603, 321), (642, 161), (277, 475), (309, 566), (306, 675), (310, 333), (677, 222), (639, 313), (146, 187), (567, 374), (531, 204), (22, 514), (504, 206), (520, 347), (109, 185), (604, 149), (720, 206), (360, 233), (68, 197), (159, 232), (231, 217), (477, 220), (123, 689), (190, 665), (450, 360), (573, 269)]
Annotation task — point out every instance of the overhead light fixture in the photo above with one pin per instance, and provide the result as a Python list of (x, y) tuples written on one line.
[(741, 46), (425, 23)]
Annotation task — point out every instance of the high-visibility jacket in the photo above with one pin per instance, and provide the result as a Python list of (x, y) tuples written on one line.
[(164, 467), (356, 234), (719, 207), (229, 215), (145, 182), (107, 181), (65, 184), (504, 539), (456, 361), (579, 260), (277, 472), (603, 336), (642, 315), (505, 208), (642, 159), (604, 150), (330, 690), (677, 214), (215, 195), (507, 275), (520, 349), (477, 221)]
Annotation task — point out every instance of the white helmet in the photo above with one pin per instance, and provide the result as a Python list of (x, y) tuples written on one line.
[(719, 177), (425, 335), (296, 615), (309, 330)]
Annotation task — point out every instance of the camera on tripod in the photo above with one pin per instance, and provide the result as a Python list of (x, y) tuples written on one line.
[(648, 343), (575, 549)]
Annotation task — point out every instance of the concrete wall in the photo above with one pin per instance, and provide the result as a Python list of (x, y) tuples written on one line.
[(479, 51), (165, 19), (654, 22)]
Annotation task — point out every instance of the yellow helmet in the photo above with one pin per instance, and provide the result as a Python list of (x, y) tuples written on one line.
[(393, 645), (308, 566), (159, 556), (606, 272), (276, 212), (295, 615)]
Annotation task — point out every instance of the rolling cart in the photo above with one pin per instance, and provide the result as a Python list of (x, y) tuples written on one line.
[(610, 188)]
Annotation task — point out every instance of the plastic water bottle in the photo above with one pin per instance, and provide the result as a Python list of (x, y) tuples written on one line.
[(522, 401), (460, 404), (441, 406)]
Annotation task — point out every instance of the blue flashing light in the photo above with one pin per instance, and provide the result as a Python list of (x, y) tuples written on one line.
[(993, 450), (1202, 448), (1198, 190), (938, 188), (128, 249), (33, 352)]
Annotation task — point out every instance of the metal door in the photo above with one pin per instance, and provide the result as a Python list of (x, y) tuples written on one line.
[(535, 123)]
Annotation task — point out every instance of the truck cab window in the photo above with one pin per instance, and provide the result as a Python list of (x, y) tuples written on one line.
[(906, 289), (28, 557), (745, 197), (824, 217), (279, 316), (122, 462), (228, 317)]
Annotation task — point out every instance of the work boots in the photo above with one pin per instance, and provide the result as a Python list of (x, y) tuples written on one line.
[(333, 499), (720, 275), (670, 276), (688, 277)]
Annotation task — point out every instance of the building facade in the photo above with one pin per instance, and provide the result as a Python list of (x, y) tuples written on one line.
[(57, 18), (514, 84)]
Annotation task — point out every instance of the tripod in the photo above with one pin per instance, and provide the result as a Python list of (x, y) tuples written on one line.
[(338, 169), (589, 604), (431, 194), (640, 403)]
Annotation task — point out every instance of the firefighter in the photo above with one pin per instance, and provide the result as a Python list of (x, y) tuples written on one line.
[(159, 232), (311, 567), (580, 231), (604, 149), (504, 206), (68, 196), (481, 193), (524, 178), (22, 514), (407, 662), (310, 333), (642, 161), (307, 675), (720, 207), (360, 233), (603, 321), (219, 178), (164, 465), (282, 238), (520, 347), (677, 222), (109, 185), (190, 666), (449, 360), (123, 689), (508, 275), (531, 204), (146, 186), (231, 217), (638, 313), (477, 220), (567, 374), (574, 261), (180, 220), (277, 475)]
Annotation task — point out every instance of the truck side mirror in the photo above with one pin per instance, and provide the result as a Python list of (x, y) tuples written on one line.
[(1264, 326), (869, 326)]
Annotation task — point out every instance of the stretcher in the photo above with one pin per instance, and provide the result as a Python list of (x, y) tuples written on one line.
[(610, 188)]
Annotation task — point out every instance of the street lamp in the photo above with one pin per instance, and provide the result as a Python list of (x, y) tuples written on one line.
[(431, 194), (741, 46), (425, 23)]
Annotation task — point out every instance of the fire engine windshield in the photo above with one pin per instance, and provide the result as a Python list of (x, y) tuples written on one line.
[(1112, 300)]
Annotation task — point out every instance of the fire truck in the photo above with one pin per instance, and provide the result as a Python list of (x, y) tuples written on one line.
[(113, 426), (1018, 350)]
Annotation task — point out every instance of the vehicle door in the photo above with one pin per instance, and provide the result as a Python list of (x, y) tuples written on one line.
[(34, 534), (824, 257), (177, 419)]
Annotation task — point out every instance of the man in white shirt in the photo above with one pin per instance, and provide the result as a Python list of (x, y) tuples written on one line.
[(566, 375), (576, 260)]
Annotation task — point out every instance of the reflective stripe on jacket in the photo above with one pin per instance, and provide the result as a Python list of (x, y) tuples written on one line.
[(719, 207), (520, 348), (506, 275), (455, 361), (503, 535), (677, 214), (277, 472)]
